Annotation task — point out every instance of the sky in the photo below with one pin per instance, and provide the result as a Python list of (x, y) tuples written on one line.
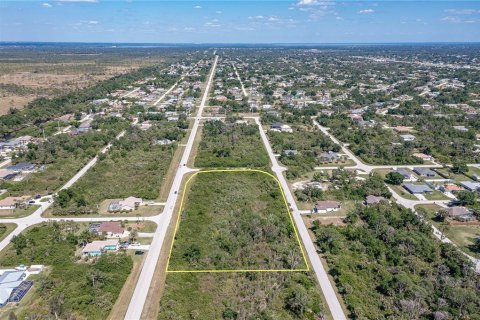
[(293, 21)]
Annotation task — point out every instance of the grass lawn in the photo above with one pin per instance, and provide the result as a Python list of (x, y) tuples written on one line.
[(19, 213), (462, 235), (340, 164), (235, 221), (445, 172), (436, 195), (402, 192), (473, 170), (5, 229), (230, 145), (382, 172), (142, 226)]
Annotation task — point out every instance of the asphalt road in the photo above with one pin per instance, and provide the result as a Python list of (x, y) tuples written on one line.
[(140, 293), (322, 277)]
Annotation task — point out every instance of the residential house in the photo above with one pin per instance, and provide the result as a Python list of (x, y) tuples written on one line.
[(450, 187), (97, 248), (470, 185), (407, 137), (112, 229), (459, 213), (371, 199), (326, 206), (128, 204), (290, 152), (423, 156), (10, 203), (330, 156), (417, 188), (407, 175), (424, 172), (85, 126), (21, 166), (280, 127), (402, 129), (10, 280)]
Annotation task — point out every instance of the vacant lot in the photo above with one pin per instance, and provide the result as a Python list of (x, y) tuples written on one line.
[(25, 76), (134, 166), (277, 295), (230, 145), (235, 221)]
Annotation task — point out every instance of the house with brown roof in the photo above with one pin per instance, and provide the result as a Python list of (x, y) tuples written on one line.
[(459, 213), (326, 206), (371, 199), (10, 203), (112, 229)]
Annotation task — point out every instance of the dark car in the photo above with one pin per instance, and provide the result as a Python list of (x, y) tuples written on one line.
[(37, 196), (31, 202), (139, 253)]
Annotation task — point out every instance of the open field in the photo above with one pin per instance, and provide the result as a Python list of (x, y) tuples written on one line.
[(235, 220), (240, 296), (25, 76)]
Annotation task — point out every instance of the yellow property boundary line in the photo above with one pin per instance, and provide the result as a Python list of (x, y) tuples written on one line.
[(235, 270)]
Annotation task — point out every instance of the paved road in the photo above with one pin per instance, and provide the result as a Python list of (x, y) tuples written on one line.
[(240, 79), (140, 293), (327, 288), (174, 85), (359, 165)]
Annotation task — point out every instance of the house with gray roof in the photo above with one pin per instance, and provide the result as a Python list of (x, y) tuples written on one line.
[(424, 172), (406, 174), (9, 281), (417, 188), (290, 152), (330, 156), (470, 185)]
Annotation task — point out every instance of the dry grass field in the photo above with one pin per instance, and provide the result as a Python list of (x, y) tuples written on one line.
[(22, 82), (29, 72)]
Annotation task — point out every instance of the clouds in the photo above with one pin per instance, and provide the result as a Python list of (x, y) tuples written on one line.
[(46, 5), (306, 3), (462, 16), (366, 11), (88, 1), (197, 7), (462, 11)]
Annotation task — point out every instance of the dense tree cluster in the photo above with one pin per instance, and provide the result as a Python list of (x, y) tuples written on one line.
[(390, 266), (71, 289)]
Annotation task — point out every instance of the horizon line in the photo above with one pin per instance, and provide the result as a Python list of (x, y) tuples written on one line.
[(237, 43)]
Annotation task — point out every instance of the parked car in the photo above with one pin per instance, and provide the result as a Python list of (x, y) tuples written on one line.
[(139, 253), (37, 196)]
